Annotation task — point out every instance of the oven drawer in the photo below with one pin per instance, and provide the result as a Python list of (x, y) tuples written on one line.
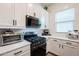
[(26, 53), (70, 43), (18, 51)]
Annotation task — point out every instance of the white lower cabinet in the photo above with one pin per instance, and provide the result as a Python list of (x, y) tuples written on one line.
[(26, 53), (23, 51), (54, 46), (69, 51), (62, 47)]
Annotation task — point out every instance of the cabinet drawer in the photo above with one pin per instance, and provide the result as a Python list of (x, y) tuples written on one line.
[(55, 40), (18, 51), (26, 53), (71, 43)]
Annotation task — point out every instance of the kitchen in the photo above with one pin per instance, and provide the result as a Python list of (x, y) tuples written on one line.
[(39, 29)]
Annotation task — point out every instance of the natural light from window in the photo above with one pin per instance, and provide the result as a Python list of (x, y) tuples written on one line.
[(65, 20)]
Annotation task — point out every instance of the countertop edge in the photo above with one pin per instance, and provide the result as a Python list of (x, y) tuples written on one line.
[(61, 38)]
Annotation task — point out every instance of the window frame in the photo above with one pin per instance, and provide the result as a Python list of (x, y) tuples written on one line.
[(64, 21)]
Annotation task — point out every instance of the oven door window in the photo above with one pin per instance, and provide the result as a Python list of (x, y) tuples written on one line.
[(7, 39)]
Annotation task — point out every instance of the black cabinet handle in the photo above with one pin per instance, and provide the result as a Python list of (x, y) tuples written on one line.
[(68, 43), (62, 46), (17, 53), (59, 45), (14, 22), (55, 40)]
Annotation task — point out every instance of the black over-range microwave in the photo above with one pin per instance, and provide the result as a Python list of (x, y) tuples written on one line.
[(32, 22)]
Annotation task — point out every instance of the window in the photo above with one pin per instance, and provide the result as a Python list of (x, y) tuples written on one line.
[(65, 20)]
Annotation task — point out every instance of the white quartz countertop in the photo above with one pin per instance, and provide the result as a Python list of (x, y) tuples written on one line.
[(7, 48), (61, 38)]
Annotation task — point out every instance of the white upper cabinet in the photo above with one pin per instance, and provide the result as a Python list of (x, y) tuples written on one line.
[(29, 10), (33, 10), (20, 13), (13, 14), (44, 19), (5, 14)]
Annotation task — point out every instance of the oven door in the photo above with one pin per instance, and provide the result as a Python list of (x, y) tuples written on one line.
[(11, 39), (39, 51)]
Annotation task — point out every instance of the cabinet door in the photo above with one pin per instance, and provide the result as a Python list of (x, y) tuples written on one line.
[(33, 10), (54, 46), (26, 53), (77, 50), (29, 9), (44, 19), (5, 14), (69, 50), (20, 13)]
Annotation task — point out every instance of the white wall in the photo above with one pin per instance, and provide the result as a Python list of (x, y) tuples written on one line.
[(59, 7)]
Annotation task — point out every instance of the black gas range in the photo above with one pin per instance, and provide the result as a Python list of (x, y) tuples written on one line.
[(38, 44)]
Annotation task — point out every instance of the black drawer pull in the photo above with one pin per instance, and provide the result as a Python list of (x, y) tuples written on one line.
[(55, 40), (68, 43), (17, 53)]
